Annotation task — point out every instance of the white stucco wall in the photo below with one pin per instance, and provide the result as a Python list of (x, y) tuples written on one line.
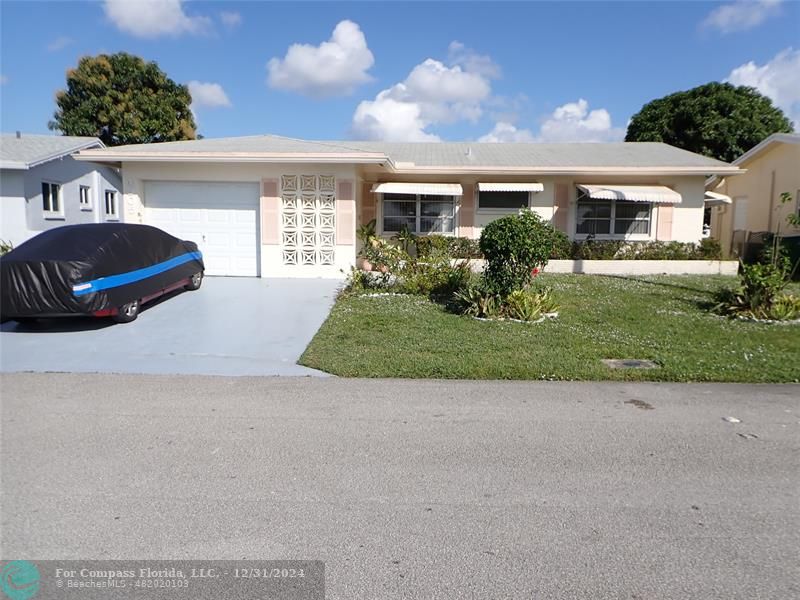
[(22, 214), (135, 174), (13, 226), (687, 217)]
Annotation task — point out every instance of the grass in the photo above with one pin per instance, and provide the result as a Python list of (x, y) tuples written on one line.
[(660, 318)]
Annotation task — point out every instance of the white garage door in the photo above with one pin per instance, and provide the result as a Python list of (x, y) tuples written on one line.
[(222, 218)]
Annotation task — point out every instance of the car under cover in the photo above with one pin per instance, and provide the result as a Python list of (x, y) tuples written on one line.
[(92, 268)]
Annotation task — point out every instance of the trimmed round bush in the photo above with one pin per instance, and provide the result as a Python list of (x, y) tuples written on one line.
[(514, 246)]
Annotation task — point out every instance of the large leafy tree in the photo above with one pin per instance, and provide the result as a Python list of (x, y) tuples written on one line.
[(719, 120), (123, 99)]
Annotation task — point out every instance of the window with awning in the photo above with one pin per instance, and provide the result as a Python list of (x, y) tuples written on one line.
[(435, 189), (654, 194), (620, 212), (506, 196)]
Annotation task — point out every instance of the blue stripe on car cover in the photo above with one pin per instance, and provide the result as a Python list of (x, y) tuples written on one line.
[(112, 281)]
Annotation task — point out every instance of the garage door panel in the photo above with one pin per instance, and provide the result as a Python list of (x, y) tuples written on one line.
[(222, 218)]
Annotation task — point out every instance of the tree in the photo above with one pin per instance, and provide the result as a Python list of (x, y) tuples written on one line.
[(719, 120), (123, 99)]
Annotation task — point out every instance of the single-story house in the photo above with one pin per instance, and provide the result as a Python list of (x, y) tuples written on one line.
[(278, 207), (751, 203), (42, 186)]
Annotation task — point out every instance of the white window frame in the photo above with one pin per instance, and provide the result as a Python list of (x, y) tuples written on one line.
[(113, 216), (419, 216), (499, 211), (49, 213), (613, 220), (85, 191)]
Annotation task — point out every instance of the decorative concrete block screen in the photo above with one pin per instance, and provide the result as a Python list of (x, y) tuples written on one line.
[(308, 219)]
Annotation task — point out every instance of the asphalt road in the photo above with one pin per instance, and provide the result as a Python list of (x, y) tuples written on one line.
[(410, 489)]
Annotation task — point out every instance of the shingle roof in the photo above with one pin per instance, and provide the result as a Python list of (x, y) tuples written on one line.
[(30, 150), (469, 155)]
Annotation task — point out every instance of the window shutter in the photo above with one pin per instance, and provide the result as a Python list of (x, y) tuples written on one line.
[(345, 212), (664, 226), (561, 207), (270, 212), (466, 212)]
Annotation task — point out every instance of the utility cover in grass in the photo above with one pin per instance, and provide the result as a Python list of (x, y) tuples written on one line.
[(629, 363)]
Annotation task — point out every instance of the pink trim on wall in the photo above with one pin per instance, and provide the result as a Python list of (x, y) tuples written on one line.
[(368, 205), (270, 212), (345, 212), (561, 207), (269, 188), (466, 212), (664, 225)]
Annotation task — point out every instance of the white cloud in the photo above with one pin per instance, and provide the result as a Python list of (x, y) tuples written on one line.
[(507, 132), (230, 19), (154, 18), (432, 93), (59, 43), (334, 68), (778, 79), (459, 54), (391, 120), (741, 15), (574, 122), (570, 122), (210, 95)]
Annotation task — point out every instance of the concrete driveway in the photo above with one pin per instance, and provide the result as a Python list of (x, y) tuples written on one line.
[(231, 326)]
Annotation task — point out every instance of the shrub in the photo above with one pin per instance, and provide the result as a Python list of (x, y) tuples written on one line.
[(524, 305), (432, 244), (562, 246), (461, 247), (592, 249), (785, 307), (5, 247), (434, 276), (710, 249), (454, 247), (476, 301), (383, 254), (596, 249), (759, 295), (529, 305), (513, 246)]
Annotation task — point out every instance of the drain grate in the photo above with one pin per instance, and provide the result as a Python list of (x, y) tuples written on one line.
[(629, 363)]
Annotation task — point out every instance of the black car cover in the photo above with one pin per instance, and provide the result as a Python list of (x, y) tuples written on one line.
[(81, 269)]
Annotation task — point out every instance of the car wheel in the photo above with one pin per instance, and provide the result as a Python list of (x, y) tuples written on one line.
[(128, 312), (195, 281)]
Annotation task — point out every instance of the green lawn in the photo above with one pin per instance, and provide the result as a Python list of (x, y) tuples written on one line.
[(659, 318)]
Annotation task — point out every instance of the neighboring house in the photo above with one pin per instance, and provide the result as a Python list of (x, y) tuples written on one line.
[(42, 186), (273, 206), (751, 203)]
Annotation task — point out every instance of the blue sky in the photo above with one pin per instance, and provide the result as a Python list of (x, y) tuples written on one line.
[(494, 71)]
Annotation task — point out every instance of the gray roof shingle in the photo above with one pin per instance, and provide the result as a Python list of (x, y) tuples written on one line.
[(450, 154), (29, 149)]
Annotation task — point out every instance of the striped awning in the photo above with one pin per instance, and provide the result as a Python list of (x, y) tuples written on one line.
[(715, 199), (658, 194), (434, 189), (510, 187)]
